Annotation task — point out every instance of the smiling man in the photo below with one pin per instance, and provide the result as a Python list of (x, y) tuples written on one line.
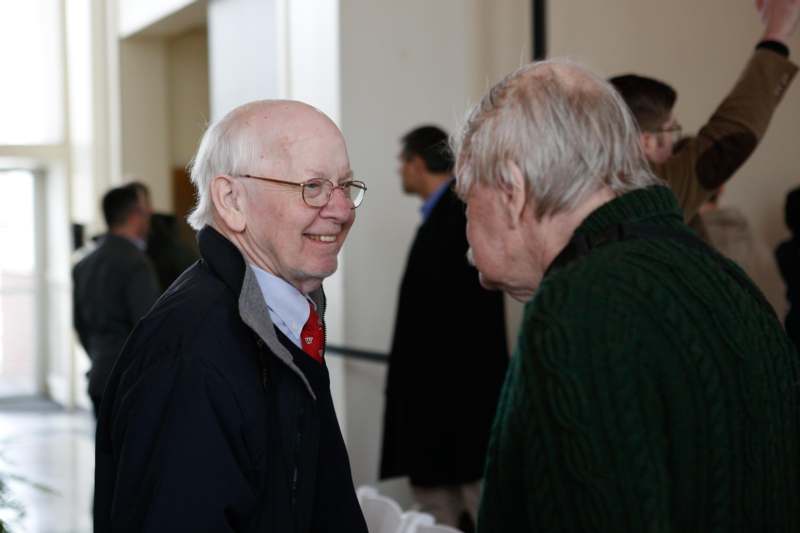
[(218, 415), (652, 387)]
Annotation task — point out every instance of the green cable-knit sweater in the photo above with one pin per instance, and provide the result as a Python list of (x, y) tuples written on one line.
[(649, 392)]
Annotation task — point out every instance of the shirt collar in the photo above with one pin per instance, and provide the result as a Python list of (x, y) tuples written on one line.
[(141, 244), (284, 302), (433, 199)]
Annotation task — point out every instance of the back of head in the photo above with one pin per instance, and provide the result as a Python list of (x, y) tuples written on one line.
[(163, 230), (142, 190), (119, 204), (792, 211), (567, 130), (650, 100), (432, 145)]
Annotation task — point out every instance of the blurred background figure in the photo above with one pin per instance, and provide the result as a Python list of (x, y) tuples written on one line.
[(726, 229), (788, 256), (168, 252), (165, 246), (114, 285), (449, 352), (698, 165)]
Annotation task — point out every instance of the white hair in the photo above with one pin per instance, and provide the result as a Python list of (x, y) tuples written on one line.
[(568, 131), (226, 149)]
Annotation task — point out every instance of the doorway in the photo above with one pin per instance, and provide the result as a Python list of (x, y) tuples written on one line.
[(20, 284)]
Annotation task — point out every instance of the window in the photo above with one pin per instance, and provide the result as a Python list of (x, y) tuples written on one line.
[(18, 284), (31, 93)]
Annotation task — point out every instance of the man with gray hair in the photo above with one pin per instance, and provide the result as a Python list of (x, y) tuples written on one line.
[(652, 387), (218, 414)]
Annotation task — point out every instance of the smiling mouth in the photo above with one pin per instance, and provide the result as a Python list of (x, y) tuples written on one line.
[(322, 238)]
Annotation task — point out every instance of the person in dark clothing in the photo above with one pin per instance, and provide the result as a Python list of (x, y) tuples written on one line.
[(113, 286), (449, 353), (652, 387), (788, 256), (218, 415), (169, 254)]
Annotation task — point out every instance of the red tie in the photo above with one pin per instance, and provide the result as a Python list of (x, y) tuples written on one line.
[(311, 337)]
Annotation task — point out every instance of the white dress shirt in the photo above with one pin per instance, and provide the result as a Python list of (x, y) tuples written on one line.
[(288, 307)]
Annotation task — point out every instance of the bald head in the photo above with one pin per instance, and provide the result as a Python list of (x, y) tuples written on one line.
[(265, 136)]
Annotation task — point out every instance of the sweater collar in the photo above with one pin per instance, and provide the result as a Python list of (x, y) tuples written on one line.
[(656, 205)]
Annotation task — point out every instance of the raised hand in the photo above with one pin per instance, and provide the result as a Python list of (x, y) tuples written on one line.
[(780, 18)]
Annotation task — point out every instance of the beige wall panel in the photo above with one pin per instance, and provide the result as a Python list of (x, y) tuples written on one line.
[(187, 57), (403, 64), (145, 117)]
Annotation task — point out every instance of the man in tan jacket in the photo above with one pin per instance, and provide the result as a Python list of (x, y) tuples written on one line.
[(699, 165)]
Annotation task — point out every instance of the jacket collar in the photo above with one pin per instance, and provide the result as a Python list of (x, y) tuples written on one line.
[(227, 263)]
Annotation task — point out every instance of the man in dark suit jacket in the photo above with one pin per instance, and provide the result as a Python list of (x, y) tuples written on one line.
[(218, 415), (449, 352), (113, 286)]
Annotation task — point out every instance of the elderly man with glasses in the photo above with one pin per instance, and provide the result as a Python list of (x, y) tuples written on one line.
[(218, 415)]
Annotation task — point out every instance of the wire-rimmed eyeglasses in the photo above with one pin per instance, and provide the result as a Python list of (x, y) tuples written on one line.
[(675, 131), (317, 192)]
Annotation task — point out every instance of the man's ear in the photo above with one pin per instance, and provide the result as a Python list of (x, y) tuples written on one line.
[(227, 195), (515, 194)]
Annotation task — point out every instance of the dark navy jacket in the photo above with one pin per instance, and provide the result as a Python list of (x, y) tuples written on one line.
[(448, 359), (210, 423)]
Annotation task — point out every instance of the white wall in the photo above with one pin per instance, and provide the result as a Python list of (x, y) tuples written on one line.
[(72, 187), (62, 368), (146, 142), (244, 62), (403, 64), (187, 65), (136, 15), (699, 48)]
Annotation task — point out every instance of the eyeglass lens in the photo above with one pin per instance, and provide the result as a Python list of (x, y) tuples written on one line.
[(318, 192)]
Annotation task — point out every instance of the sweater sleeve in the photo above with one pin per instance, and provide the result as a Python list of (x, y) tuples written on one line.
[(182, 463), (725, 142)]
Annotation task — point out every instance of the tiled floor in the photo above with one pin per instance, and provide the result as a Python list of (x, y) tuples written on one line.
[(52, 450)]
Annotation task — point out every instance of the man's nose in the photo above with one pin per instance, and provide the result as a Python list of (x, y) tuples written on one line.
[(339, 206)]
